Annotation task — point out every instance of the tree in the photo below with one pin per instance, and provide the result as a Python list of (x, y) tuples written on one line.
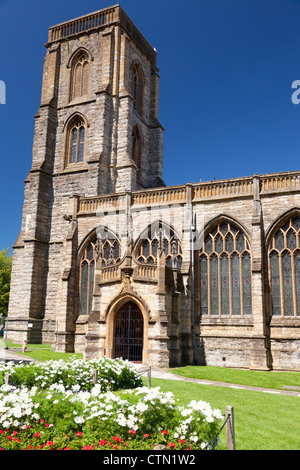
[(5, 275)]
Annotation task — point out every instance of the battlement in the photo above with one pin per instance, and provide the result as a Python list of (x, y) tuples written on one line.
[(99, 20)]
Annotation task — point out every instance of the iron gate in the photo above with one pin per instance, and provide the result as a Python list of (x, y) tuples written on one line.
[(128, 333)]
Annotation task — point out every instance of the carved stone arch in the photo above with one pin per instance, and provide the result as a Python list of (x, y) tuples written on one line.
[(77, 53), (73, 116), (281, 220), (112, 310), (219, 219), (168, 241), (94, 235), (79, 79)]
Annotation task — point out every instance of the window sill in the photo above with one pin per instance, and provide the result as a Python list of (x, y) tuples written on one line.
[(73, 168)]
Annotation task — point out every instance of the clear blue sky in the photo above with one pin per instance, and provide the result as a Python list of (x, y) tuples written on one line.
[(226, 69)]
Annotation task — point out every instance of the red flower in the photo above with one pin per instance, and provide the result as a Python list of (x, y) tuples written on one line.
[(87, 448), (42, 420), (67, 448), (118, 439), (131, 431), (116, 447), (1, 432), (47, 425), (146, 435), (14, 433), (181, 441), (165, 432), (37, 435), (79, 434), (171, 445), (50, 443), (102, 442)]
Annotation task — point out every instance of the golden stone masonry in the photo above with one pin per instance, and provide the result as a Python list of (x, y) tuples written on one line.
[(110, 261)]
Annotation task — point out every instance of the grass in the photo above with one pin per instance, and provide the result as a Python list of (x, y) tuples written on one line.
[(263, 421), (40, 352), (266, 379)]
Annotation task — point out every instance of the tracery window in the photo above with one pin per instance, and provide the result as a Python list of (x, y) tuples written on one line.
[(164, 237), (284, 269), (80, 76), (106, 248), (76, 137), (225, 272)]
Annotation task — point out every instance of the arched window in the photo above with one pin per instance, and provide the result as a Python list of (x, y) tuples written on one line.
[(87, 274), (137, 88), (160, 236), (284, 268), (136, 149), (75, 145), (80, 76), (109, 248), (105, 248), (225, 272)]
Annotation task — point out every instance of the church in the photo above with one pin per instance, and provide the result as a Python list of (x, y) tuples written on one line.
[(112, 262)]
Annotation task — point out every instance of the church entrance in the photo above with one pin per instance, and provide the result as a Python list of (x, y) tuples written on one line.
[(128, 333)]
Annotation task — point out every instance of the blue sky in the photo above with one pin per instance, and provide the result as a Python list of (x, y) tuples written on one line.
[(226, 68)]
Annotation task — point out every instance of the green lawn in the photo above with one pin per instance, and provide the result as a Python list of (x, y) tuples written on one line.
[(265, 379), (263, 421)]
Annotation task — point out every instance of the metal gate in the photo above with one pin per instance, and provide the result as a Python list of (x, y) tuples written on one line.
[(128, 333)]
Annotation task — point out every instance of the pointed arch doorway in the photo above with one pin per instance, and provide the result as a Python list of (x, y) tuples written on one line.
[(129, 333)]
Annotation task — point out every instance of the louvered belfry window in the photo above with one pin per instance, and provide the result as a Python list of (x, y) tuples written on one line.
[(284, 269), (137, 89), (80, 77), (225, 272)]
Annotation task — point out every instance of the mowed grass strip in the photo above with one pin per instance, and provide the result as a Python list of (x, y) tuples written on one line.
[(263, 421), (265, 379)]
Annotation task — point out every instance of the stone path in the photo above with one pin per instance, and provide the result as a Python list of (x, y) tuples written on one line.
[(165, 374), (158, 373)]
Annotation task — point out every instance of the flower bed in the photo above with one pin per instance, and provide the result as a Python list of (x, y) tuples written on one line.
[(66, 416)]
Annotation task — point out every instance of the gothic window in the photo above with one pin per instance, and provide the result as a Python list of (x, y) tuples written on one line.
[(87, 274), (106, 248), (284, 269), (76, 137), (136, 149), (225, 272), (109, 249), (80, 76), (160, 236), (137, 88)]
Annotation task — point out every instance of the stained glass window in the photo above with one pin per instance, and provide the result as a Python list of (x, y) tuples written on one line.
[(156, 236), (226, 257), (108, 251), (284, 269), (203, 286)]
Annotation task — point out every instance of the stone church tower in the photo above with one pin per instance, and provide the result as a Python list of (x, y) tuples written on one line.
[(110, 261)]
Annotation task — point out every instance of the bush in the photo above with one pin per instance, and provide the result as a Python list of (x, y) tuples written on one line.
[(78, 373), (72, 413)]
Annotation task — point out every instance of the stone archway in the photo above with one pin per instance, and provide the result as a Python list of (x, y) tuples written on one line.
[(128, 340)]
